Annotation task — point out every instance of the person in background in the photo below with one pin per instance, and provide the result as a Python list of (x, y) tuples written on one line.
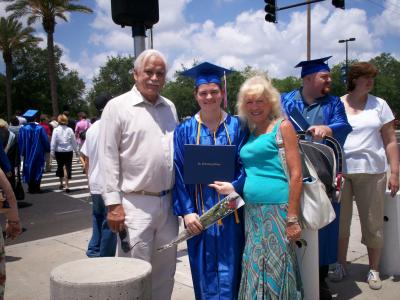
[(272, 200), (14, 126), (71, 121), (215, 253), (33, 144), (367, 149), (13, 227), (44, 122), (63, 144), (20, 118), (103, 241), (10, 147), (136, 158), (80, 129), (326, 115), (80, 133)]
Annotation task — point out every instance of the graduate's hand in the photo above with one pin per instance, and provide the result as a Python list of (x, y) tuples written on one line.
[(222, 187), (320, 131), (192, 222), (116, 217)]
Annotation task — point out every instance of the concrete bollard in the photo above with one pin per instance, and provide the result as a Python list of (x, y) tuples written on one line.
[(105, 278)]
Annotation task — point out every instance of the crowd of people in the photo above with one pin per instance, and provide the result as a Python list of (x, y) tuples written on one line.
[(135, 160), (28, 144)]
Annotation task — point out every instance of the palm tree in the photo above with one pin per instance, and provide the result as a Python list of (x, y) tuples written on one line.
[(47, 11), (13, 37)]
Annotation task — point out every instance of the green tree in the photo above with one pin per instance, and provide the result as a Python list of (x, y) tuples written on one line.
[(13, 36), (387, 82), (286, 84), (47, 11), (31, 88), (115, 77), (180, 91)]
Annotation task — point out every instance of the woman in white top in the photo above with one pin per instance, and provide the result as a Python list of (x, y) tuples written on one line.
[(367, 149), (63, 143)]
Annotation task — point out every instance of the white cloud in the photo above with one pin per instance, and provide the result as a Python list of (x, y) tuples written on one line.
[(245, 40), (388, 22)]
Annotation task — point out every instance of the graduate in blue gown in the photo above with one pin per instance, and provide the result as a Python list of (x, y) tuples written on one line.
[(215, 254), (327, 117), (33, 145)]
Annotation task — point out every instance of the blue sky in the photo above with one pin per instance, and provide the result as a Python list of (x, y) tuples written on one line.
[(232, 33)]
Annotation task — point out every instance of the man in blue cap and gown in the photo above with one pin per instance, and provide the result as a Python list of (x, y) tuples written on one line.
[(327, 117), (215, 253), (33, 145)]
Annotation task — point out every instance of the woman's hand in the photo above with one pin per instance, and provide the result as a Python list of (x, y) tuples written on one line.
[(293, 231), (222, 187), (192, 222), (13, 229), (393, 184)]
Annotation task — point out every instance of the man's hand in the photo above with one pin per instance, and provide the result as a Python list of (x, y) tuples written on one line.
[(224, 188), (116, 217), (192, 222), (320, 131)]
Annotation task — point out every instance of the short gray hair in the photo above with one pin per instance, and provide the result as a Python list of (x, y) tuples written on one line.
[(145, 55)]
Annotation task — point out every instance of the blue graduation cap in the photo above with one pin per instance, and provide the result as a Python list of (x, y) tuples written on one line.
[(30, 113), (206, 73), (313, 66)]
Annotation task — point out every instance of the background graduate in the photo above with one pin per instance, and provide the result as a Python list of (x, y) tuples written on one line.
[(215, 254), (33, 145)]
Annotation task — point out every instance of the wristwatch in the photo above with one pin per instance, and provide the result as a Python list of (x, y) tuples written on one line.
[(292, 220)]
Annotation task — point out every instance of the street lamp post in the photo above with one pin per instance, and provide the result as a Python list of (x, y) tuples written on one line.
[(347, 52)]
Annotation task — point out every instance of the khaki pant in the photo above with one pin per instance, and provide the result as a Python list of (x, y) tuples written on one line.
[(151, 224), (368, 191)]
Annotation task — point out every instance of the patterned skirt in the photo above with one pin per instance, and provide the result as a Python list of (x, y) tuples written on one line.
[(269, 264)]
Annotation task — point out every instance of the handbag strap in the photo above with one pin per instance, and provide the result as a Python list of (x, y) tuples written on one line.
[(281, 150), (282, 156)]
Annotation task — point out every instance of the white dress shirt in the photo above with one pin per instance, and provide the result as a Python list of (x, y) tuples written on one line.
[(89, 149), (136, 145)]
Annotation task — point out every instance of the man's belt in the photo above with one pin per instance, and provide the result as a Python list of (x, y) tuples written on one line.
[(154, 194)]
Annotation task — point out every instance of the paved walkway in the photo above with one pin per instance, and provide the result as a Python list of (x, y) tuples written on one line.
[(29, 265)]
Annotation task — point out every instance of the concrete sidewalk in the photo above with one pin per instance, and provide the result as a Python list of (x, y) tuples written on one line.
[(29, 265)]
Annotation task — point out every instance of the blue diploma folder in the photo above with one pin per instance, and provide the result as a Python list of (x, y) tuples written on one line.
[(297, 118), (208, 163)]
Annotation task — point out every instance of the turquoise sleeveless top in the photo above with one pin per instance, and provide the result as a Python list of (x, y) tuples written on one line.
[(266, 182)]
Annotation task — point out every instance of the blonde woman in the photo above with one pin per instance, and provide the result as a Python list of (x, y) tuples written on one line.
[(63, 144), (269, 266)]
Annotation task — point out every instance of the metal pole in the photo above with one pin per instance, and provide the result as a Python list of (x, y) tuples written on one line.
[(347, 61), (308, 30), (139, 35)]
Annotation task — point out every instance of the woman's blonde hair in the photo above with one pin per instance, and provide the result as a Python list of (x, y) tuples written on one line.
[(260, 87), (62, 119)]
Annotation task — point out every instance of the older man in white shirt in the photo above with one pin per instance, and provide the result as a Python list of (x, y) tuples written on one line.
[(136, 158)]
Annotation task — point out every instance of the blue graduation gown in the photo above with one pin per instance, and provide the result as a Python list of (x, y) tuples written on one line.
[(33, 145), (215, 254), (334, 116)]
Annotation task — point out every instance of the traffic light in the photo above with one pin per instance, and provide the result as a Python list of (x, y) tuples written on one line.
[(135, 12), (270, 9), (338, 3)]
